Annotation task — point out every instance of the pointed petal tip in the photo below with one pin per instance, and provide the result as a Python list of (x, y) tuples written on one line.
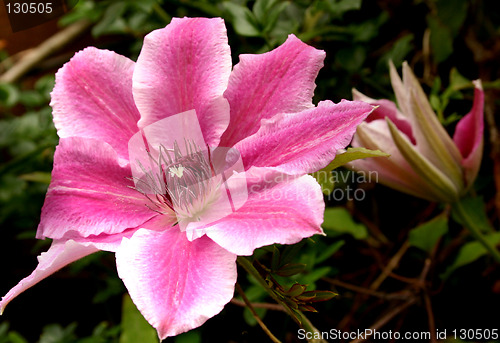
[(478, 84)]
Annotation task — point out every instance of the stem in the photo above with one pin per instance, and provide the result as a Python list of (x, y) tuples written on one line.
[(298, 316), (475, 231), (161, 13), (255, 315)]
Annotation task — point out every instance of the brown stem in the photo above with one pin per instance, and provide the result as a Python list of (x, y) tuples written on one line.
[(393, 263), (256, 316), (386, 318), (362, 290), (47, 48), (267, 306)]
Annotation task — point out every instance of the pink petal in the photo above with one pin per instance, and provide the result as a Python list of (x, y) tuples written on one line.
[(263, 85), (176, 284), (90, 192), (317, 135), (432, 140), (93, 98), (394, 171), (469, 135), (60, 254), (386, 108), (182, 67), (280, 209)]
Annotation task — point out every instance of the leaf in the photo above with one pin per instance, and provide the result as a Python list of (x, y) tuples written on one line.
[(192, 336), (317, 296), (338, 7), (295, 290), (324, 176), (475, 209), (290, 269), (329, 251), (134, 327), (425, 236), (9, 95), (470, 252), (267, 12), (40, 177), (338, 221), (313, 276), (458, 81), (290, 252), (243, 19), (441, 40)]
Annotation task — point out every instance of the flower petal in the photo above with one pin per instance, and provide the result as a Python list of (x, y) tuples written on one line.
[(317, 135), (393, 171), (432, 140), (280, 209), (60, 254), (445, 189), (469, 135), (93, 98), (263, 85), (182, 67), (385, 108), (90, 192), (176, 284)]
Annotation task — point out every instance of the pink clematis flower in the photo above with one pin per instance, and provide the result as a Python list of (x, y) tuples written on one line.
[(140, 171), (425, 161)]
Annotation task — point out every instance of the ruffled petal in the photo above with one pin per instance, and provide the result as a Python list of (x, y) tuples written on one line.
[(60, 254), (90, 192), (280, 209), (93, 98), (176, 284), (469, 135), (317, 135), (182, 67), (279, 81)]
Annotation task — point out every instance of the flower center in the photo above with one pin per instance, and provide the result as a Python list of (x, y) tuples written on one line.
[(178, 180), (179, 174)]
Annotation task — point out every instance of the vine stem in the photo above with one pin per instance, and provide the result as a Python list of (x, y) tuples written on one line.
[(297, 316), (256, 316), (475, 230)]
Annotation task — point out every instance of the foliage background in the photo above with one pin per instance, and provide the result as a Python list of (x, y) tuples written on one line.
[(441, 278)]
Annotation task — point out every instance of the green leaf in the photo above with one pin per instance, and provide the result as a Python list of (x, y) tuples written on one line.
[(425, 236), (40, 177), (324, 176), (329, 251), (470, 252), (338, 221), (441, 40), (458, 81), (55, 333), (267, 12), (290, 269), (192, 336), (112, 20), (290, 252), (134, 327), (317, 296), (313, 276), (338, 7), (351, 58), (9, 95), (476, 210), (243, 20)]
